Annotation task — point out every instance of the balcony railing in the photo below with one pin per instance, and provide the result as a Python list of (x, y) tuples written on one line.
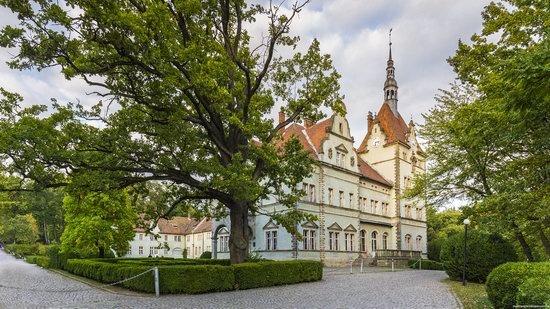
[(398, 254)]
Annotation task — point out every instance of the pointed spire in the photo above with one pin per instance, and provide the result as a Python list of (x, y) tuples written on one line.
[(390, 86)]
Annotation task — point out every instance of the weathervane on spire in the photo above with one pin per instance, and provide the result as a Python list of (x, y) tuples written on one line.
[(389, 58), (390, 35)]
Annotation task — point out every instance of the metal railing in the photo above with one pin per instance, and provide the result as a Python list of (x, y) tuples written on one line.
[(398, 254)]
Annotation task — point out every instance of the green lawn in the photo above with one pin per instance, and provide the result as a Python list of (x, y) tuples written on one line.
[(472, 296)]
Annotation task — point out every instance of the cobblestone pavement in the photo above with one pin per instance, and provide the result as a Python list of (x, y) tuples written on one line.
[(28, 286)]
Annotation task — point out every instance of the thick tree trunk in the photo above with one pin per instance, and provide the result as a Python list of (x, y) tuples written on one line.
[(545, 242), (524, 245), (238, 239)]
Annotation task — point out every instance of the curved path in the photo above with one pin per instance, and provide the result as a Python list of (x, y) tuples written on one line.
[(28, 286)]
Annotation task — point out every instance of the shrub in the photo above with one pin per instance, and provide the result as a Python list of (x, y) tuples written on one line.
[(262, 274), (23, 249), (57, 259), (434, 249), (192, 279), (206, 255), (42, 261), (485, 252), (504, 281), (426, 264), (534, 292)]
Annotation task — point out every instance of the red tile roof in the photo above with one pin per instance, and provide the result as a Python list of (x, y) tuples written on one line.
[(367, 171), (204, 226), (394, 127), (180, 226)]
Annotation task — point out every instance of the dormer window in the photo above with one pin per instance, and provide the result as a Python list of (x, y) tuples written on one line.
[(340, 159)]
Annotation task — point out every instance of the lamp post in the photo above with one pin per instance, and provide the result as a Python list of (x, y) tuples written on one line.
[(466, 223)]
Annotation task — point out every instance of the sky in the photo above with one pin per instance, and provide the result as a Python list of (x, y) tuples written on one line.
[(355, 34)]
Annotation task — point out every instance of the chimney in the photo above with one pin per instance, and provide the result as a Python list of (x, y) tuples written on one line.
[(282, 117), (308, 123), (370, 121)]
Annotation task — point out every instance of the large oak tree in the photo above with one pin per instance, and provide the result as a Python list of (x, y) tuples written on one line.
[(187, 100)]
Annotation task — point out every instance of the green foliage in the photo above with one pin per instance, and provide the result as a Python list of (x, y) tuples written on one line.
[(534, 292), (192, 108), (434, 248), (58, 259), (192, 279), (504, 282), (484, 252), (98, 222), (23, 249), (206, 255), (262, 274), (426, 265), (20, 229), (42, 261), (164, 261)]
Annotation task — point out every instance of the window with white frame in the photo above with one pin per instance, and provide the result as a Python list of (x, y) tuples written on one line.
[(330, 196), (341, 200), (385, 241), (309, 239), (351, 203), (223, 240), (165, 237), (372, 206), (305, 188), (363, 241), (151, 237), (140, 250), (419, 243), (140, 236), (129, 251), (375, 210), (373, 241), (408, 244), (348, 241), (419, 213), (312, 193), (385, 209), (271, 240), (333, 241)]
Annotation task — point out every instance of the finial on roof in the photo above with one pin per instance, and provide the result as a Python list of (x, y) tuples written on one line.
[(390, 44)]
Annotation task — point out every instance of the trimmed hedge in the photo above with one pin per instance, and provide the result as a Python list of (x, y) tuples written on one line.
[(534, 292), (193, 279), (23, 249), (485, 252), (206, 255), (164, 261), (426, 264), (504, 282), (42, 261)]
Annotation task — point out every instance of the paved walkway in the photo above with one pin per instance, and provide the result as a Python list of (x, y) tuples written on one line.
[(28, 286)]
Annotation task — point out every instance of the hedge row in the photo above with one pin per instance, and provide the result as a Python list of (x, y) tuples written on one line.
[(426, 264), (42, 261), (519, 283), (164, 261), (28, 249), (193, 279)]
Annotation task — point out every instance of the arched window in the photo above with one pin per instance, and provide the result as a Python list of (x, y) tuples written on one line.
[(373, 240), (385, 241), (419, 243), (363, 240), (391, 94), (223, 240), (408, 244), (387, 93)]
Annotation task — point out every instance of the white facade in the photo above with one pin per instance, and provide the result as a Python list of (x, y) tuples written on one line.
[(355, 193)]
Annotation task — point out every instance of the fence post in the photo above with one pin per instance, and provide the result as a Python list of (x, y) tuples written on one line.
[(157, 289), (391, 264), (361, 265), (420, 267)]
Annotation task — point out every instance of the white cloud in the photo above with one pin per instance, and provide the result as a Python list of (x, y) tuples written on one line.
[(355, 33)]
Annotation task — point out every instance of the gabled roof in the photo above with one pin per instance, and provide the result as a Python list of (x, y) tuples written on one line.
[(300, 132), (394, 127), (318, 132), (204, 226), (367, 171)]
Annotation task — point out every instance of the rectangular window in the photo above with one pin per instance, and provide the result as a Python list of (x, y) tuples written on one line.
[(371, 206), (312, 193), (175, 238), (341, 201), (140, 236), (151, 237), (271, 240), (351, 242), (336, 244), (375, 210), (165, 237), (351, 203), (140, 250), (312, 240), (346, 240), (305, 188), (151, 251), (330, 196), (419, 213), (306, 239), (330, 240)]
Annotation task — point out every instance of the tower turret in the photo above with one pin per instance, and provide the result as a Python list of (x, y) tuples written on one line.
[(390, 85)]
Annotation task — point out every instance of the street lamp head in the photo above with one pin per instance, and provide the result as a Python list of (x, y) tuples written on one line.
[(466, 221)]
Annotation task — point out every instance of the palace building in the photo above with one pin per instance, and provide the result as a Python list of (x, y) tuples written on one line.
[(356, 194)]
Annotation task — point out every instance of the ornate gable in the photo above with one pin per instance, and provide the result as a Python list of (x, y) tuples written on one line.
[(270, 225), (350, 228), (335, 227)]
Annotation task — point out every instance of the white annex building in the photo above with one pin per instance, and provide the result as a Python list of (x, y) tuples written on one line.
[(355, 193), (174, 236)]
